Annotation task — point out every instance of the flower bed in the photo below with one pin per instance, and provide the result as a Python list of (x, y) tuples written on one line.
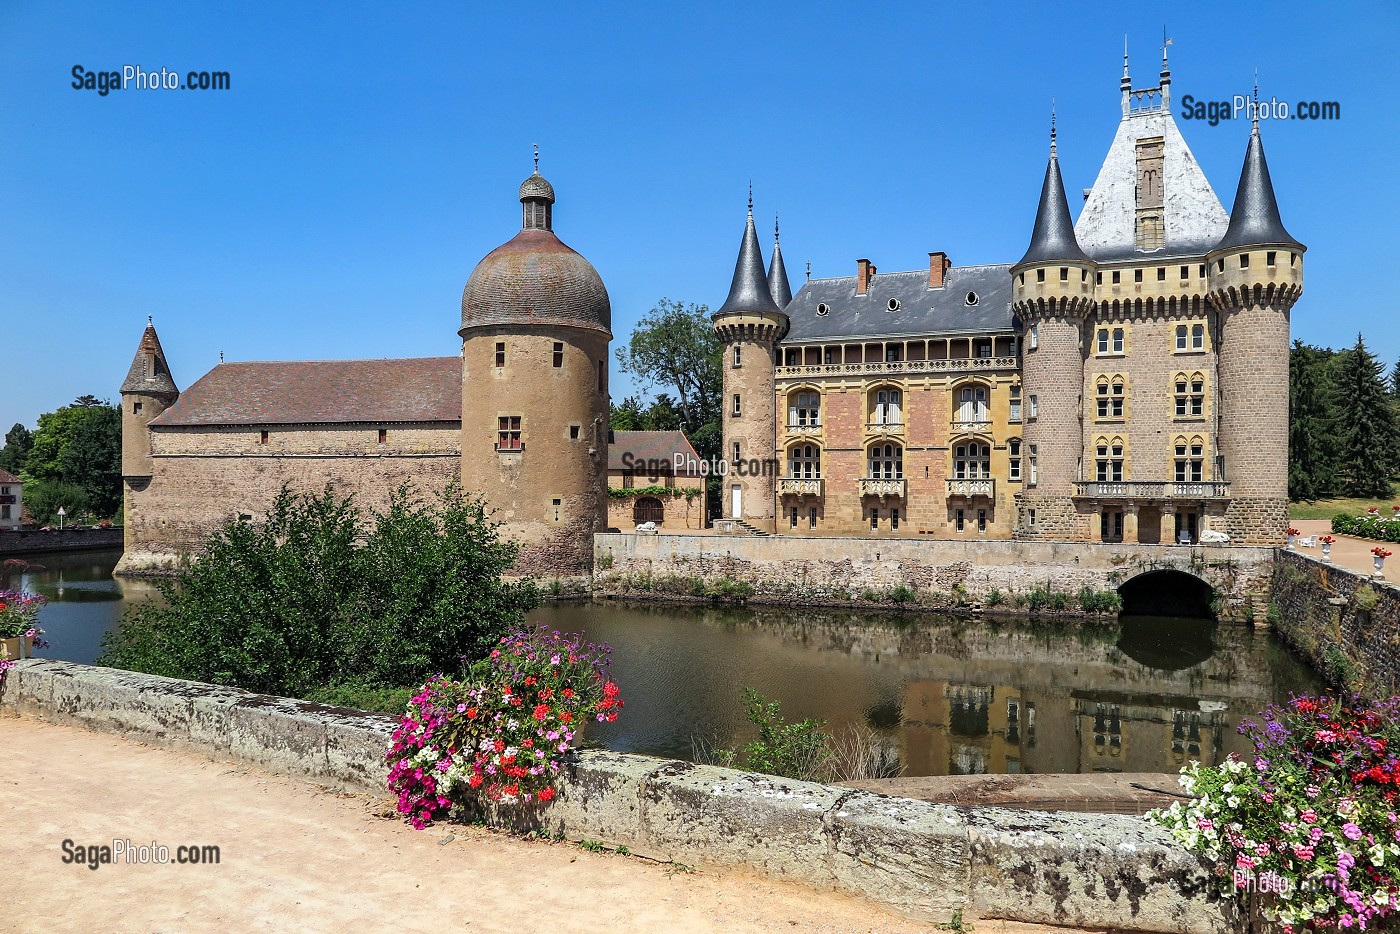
[(1309, 827), (500, 734), (18, 611), (1372, 525)]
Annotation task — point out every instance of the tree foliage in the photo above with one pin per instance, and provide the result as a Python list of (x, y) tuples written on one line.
[(318, 594), (675, 347), (1366, 424), (18, 441), (76, 448), (1310, 462)]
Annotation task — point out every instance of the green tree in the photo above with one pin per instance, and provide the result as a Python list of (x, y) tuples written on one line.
[(18, 441), (316, 597), (1365, 424), (79, 445), (674, 346), (1311, 467), (1395, 379)]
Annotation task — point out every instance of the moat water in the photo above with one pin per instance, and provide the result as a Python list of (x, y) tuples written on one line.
[(944, 694)]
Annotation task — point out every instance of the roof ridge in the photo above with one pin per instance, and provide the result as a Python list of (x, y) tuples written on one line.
[(911, 272), (347, 360)]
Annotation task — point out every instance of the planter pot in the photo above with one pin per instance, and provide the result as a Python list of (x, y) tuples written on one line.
[(1326, 551), (17, 648), (1291, 539), (1379, 565)]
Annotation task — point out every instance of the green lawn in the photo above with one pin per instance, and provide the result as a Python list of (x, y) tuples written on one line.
[(1327, 508)]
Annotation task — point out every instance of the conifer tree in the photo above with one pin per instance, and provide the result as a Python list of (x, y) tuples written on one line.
[(1310, 473), (1365, 424)]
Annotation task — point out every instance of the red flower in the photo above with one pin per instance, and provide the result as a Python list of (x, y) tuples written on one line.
[(569, 693), (471, 713), (515, 702), (566, 717), (499, 745), (512, 789), (541, 711), (610, 690), (474, 781), (546, 794), (529, 681)]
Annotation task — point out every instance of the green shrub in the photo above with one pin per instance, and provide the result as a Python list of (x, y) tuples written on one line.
[(1377, 527), (869, 596), (317, 594), (1099, 601), (1366, 598), (791, 750), (364, 697), (995, 597), (901, 594)]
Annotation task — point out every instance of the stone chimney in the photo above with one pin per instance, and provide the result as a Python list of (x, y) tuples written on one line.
[(865, 271), (938, 265)]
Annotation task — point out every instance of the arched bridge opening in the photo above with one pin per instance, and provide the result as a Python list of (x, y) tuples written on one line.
[(1167, 592)]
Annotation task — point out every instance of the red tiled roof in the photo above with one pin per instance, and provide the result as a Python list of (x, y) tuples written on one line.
[(7, 477), (646, 446), (424, 389)]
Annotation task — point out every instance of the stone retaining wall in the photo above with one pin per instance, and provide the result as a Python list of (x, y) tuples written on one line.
[(942, 573), (1345, 624), (33, 541), (928, 860)]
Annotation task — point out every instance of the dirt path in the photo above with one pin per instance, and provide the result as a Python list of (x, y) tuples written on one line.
[(294, 857)]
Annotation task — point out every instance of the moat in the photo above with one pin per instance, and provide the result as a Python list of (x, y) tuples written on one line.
[(949, 695)]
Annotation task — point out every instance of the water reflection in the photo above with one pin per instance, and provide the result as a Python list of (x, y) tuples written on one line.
[(947, 695)]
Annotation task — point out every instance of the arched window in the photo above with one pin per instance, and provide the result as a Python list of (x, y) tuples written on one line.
[(1190, 395), (648, 509), (805, 462), (971, 402), (887, 462), (1189, 459), (1109, 457), (804, 409), (1110, 397), (886, 406), (972, 460)]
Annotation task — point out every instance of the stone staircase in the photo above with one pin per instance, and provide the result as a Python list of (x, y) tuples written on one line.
[(748, 528)]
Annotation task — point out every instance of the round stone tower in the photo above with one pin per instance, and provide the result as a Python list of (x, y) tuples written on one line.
[(1255, 275), (749, 325), (148, 390), (536, 325), (1052, 291)]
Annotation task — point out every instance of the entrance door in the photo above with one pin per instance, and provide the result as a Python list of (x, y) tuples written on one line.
[(736, 502)]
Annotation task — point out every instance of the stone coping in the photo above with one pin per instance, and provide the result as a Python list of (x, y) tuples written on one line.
[(927, 860)]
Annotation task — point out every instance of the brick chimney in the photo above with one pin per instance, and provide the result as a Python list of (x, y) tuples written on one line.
[(865, 271), (938, 265)]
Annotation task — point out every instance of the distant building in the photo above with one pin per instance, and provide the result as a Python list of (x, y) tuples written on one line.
[(11, 500), (654, 476), (1124, 381)]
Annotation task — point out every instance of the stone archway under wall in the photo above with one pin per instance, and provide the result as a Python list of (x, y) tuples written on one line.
[(1167, 592)]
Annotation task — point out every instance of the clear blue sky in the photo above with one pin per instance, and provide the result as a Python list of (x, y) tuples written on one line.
[(333, 202)]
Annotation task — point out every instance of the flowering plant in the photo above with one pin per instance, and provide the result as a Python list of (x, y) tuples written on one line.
[(1380, 552), (1374, 510), (501, 733), (1311, 821), (1327, 540), (17, 613), (1291, 531)]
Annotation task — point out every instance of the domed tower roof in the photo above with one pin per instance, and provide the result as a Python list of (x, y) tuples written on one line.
[(535, 278)]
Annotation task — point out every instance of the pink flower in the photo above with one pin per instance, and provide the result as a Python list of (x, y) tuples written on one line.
[(1351, 831)]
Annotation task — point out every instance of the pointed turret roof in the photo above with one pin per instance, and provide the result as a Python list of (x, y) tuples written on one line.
[(1254, 220), (1053, 236), (778, 285), (150, 373), (749, 289)]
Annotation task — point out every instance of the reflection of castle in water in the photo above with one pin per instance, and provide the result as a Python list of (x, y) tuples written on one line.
[(984, 697)]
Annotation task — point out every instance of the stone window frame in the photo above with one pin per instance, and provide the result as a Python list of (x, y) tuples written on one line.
[(1189, 455), (510, 432), (1189, 402), (884, 460), (1185, 336), (1112, 339), (804, 416), (808, 466), (1013, 406), (1014, 448), (1111, 406), (901, 397), (738, 410), (964, 464), (973, 383), (1110, 459)]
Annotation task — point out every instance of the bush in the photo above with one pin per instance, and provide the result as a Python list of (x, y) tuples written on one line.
[(791, 750), (902, 594), (363, 697), (316, 595), (995, 597), (1099, 601), (1372, 526)]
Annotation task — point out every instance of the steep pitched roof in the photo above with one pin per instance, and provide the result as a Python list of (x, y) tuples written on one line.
[(778, 285), (425, 389), (921, 310), (1052, 238), (1193, 218), (149, 372), (1254, 220), (7, 477), (749, 289), (643, 447)]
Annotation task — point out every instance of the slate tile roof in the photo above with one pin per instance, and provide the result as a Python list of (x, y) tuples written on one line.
[(921, 310), (645, 446), (423, 389)]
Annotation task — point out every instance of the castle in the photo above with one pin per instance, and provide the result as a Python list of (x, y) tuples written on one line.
[(1125, 380)]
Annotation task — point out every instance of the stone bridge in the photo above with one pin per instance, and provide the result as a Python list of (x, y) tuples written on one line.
[(1172, 579)]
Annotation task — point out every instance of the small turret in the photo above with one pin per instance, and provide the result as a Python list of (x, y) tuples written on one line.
[(778, 285), (148, 390)]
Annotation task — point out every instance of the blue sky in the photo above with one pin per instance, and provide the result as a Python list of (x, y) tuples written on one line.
[(334, 201)]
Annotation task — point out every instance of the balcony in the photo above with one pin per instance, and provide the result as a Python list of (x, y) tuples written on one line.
[(970, 426), (809, 429), (1153, 489), (960, 365), (791, 486), (884, 428), (982, 486), (873, 486)]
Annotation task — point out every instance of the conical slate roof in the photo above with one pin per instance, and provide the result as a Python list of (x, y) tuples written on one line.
[(749, 290), (1053, 236), (778, 286), (149, 371), (1254, 220)]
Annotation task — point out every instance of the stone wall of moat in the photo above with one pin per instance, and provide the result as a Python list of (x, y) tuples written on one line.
[(955, 573), (927, 860), (1345, 624)]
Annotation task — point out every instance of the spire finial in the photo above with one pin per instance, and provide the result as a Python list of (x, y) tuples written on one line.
[(1052, 126), (1255, 114), (1125, 55), (750, 197), (809, 269), (537, 158), (150, 321), (775, 229), (221, 356), (1165, 42)]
